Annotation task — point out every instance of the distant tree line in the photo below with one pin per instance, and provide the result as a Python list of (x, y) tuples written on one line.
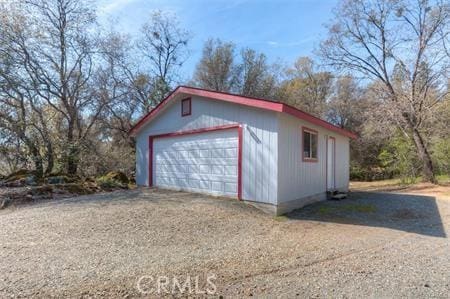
[(70, 90)]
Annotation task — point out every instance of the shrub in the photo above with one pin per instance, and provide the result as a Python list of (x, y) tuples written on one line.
[(77, 188), (113, 180), (107, 183), (358, 173), (17, 175), (441, 156), (400, 157), (60, 179), (118, 176)]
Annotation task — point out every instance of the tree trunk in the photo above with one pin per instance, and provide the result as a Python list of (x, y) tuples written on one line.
[(72, 152), (72, 160), (50, 158), (37, 160), (424, 155), (35, 155)]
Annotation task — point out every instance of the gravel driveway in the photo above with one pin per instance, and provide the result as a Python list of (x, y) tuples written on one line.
[(370, 245)]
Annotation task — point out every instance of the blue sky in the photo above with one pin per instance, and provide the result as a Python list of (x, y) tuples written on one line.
[(283, 30)]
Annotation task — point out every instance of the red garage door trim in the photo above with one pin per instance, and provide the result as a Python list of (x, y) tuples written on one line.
[(198, 131)]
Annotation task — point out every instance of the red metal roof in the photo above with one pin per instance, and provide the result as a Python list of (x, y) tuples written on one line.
[(242, 100)]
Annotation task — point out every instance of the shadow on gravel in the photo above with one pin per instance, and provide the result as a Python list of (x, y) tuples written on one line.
[(410, 213)]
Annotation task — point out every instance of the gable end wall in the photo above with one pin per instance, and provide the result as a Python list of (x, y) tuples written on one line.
[(260, 141)]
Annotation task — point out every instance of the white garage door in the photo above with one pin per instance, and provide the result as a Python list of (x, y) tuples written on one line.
[(204, 162)]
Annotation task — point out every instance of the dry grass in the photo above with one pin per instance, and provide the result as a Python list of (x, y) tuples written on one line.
[(386, 185), (281, 218), (377, 185), (442, 190)]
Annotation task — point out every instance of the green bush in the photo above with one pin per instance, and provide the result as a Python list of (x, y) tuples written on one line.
[(358, 173), (441, 156), (399, 157)]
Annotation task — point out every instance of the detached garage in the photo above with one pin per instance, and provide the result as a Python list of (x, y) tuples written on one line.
[(263, 152)]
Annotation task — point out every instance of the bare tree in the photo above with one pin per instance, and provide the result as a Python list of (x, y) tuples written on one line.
[(256, 77), (12, 157), (376, 37), (57, 52), (307, 87), (19, 117), (122, 85), (222, 70), (164, 43), (217, 69), (347, 104), (14, 118), (68, 92)]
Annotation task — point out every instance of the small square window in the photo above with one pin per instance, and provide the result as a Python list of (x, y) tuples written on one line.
[(310, 144), (186, 107)]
